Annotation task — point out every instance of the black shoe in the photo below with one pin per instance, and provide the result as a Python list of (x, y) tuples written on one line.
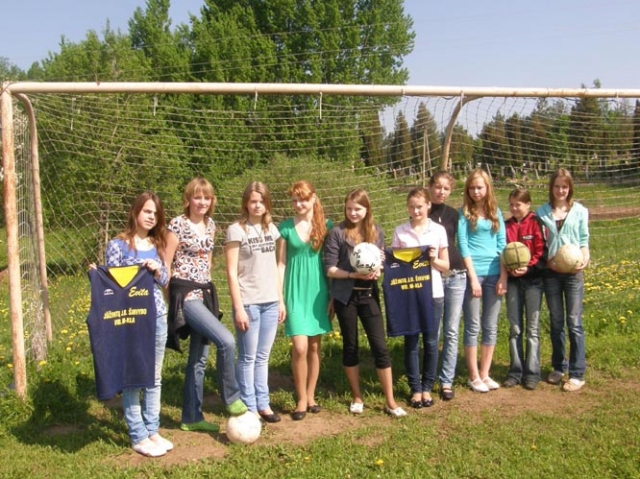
[(315, 409), (298, 415), (447, 394), (427, 402), (273, 417), (530, 385), (510, 383), (416, 403)]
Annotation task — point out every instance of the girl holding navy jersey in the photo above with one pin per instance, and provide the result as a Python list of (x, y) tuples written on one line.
[(143, 242), (420, 230), (481, 238)]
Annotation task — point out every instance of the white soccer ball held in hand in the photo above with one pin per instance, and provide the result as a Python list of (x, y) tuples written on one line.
[(366, 258), (567, 259)]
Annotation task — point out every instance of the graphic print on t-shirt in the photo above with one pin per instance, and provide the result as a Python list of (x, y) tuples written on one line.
[(408, 297), (122, 328)]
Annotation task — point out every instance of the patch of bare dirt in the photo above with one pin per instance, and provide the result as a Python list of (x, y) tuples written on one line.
[(613, 212), (546, 400)]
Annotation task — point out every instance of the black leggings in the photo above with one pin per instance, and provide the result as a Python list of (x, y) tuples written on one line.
[(362, 304)]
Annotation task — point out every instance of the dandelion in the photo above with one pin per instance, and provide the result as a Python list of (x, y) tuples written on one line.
[(379, 463), (68, 349), (42, 363), (534, 447), (10, 366), (307, 458)]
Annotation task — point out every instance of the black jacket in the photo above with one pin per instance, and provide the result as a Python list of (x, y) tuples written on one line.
[(177, 325)]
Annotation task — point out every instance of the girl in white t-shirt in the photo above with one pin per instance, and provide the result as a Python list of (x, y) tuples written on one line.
[(256, 295), (421, 231)]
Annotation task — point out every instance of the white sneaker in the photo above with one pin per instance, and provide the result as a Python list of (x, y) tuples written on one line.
[(478, 386), (356, 408), (162, 442), (148, 448), (397, 412), (573, 384), (491, 384)]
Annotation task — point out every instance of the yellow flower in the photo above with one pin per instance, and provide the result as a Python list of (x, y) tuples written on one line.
[(68, 349), (42, 363), (534, 447), (10, 366), (379, 462)]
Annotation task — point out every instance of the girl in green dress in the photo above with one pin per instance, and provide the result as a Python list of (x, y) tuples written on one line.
[(306, 292)]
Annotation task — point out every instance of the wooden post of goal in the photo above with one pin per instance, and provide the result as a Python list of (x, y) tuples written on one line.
[(13, 249)]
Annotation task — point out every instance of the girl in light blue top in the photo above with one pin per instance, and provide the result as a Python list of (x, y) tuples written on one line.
[(566, 222), (481, 238)]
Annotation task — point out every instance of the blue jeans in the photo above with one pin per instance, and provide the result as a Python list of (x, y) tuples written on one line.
[(254, 348), (454, 288), (524, 299), (143, 419), (430, 355), (566, 290), (482, 313), (204, 325)]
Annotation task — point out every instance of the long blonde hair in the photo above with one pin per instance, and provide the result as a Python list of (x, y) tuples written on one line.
[(469, 207), (367, 231), (305, 190)]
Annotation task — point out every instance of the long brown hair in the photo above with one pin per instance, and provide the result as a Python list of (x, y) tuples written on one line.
[(469, 208), (305, 190), (257, 187), (367, 231), (195, 187), (565, 175), (157, 234)]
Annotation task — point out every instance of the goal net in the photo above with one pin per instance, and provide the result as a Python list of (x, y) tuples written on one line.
[(98, 151)]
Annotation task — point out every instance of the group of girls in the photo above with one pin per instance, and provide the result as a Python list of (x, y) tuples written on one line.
[(299, 274)]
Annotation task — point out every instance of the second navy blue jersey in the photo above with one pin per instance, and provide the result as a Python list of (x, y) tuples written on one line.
[(408, 298), (122, 328)]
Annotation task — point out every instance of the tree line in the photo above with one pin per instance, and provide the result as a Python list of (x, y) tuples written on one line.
[(284, 41)]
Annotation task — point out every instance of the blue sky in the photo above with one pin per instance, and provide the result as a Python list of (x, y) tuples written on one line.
[(504, 43)]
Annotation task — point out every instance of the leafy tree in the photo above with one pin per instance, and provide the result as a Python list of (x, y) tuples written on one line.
[(9, 71), (167, 51)]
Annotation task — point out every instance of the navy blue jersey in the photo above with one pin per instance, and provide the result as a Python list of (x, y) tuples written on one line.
[(122, 328), (408, 299)]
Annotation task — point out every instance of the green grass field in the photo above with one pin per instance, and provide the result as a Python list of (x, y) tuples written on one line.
[(62, 431)]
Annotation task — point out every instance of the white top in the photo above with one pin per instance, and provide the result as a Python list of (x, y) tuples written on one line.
[(257, 267), (434, 236)]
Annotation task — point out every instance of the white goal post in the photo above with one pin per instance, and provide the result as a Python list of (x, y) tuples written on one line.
[(456, 99)]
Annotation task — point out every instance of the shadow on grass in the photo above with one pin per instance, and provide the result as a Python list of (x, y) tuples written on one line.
[(61, 419)]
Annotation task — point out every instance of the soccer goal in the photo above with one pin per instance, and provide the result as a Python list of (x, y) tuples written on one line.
[(69, 182)]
